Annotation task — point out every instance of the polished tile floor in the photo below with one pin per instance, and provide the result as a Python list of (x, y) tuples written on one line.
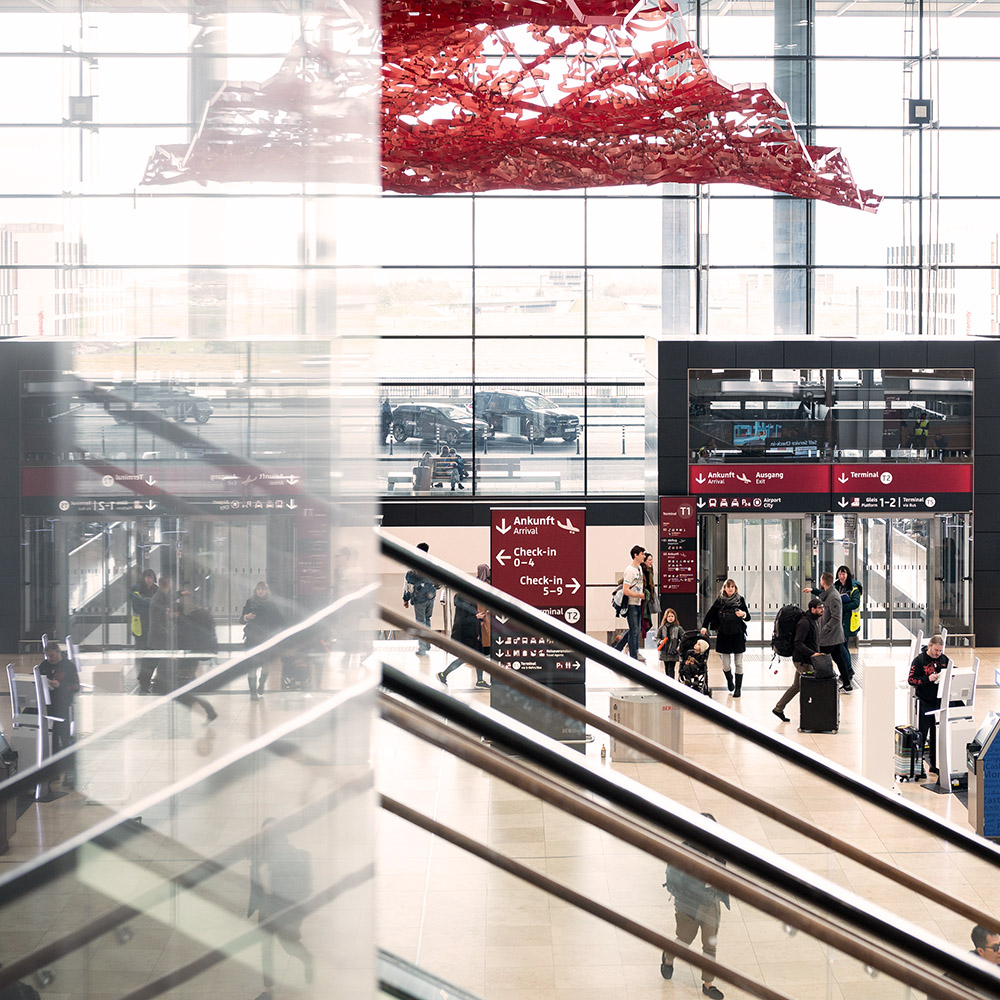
[(502, 939)]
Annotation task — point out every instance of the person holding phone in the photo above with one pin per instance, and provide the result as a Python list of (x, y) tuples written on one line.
[(925, 670)]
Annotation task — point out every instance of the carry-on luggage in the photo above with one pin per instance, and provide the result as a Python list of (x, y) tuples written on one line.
[(296, 672), (819, 704), (908, 761)]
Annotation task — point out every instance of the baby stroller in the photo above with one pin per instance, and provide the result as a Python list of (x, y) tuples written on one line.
[(692, 667)]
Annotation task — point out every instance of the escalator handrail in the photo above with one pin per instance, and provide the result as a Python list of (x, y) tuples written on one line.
[(349, 607), (687, 825), (706, 708), (551, 698)]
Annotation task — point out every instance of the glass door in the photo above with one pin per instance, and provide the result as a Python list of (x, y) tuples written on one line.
[(764, 557), (950, 572)]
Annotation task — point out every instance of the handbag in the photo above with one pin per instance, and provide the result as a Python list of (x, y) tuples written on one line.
[(822, 665)]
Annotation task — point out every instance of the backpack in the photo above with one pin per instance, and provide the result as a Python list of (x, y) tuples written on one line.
[(785, 622), (618, 602), (423, 590)]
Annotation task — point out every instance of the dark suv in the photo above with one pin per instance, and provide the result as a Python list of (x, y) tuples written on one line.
[(165, 399), (439, 422), (529, 414)]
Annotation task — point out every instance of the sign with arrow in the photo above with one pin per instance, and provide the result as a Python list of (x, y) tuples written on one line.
[(678, 545), (760, 489), (539, 556), (941, 487)]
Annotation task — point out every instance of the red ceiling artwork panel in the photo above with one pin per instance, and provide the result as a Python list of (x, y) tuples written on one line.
[(547, 96)]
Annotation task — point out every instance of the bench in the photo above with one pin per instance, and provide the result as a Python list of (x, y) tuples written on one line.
[(531, 476)]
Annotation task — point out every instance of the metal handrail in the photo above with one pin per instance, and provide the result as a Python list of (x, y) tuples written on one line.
[(802, 899), (348, 608), (671, 758), (694, 702)]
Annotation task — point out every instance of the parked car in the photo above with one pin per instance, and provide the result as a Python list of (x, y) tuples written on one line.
[(529, 414), (443, 422), (167, 399)]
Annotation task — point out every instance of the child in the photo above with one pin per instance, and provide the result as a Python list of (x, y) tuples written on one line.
[(669, 634)]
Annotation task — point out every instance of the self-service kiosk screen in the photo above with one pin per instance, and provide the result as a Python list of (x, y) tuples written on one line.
[(983, 733)]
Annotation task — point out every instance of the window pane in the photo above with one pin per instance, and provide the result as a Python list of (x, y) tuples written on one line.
[(627, 303), (528, 303), (417, 302), (622, 232), (427, 230), (846, 236), (546, 232), (741, 231)]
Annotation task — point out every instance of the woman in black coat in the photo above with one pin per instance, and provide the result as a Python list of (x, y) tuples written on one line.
[(728, 616), (262, 619), (468, 631)]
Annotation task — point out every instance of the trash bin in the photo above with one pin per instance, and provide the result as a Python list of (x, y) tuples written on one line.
[(651, 715), (983, 761), (421, 477)]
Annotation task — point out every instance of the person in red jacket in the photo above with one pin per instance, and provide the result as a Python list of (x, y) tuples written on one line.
[(925, 670)]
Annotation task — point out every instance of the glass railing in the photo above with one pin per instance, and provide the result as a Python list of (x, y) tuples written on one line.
[(227, 870)]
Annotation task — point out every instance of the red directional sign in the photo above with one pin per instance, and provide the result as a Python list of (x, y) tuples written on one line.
[(760, 488), (924, 486), (539, 556), (678, 545)]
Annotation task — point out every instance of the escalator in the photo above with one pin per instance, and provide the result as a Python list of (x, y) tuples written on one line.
[(249, 869)]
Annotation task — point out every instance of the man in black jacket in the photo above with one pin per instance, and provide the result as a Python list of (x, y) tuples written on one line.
[(64, 682), (805, 648), (925, 670)]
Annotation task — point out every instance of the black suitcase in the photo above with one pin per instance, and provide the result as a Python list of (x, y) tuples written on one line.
[(908, 760), (296, 672), (819, 705)]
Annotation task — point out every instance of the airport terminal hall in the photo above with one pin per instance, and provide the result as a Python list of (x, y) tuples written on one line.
[(502, 500)]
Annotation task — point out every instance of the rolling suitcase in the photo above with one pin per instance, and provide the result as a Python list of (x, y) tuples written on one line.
[(908, 760), (819, 705)]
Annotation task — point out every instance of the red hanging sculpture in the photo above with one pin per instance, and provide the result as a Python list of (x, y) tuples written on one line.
[(483, 96)]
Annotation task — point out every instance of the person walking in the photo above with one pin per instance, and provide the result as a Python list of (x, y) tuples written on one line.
[(485, 574), (850, 596), (420, 592), (650, 602), (806, 646), (925, 671), (697, 907), (261, 620), (139, 601), (195, 634), (728, 616), (64, 682), (669, 635), (468, 631), (162, 636), (831, 628), (632, 588)]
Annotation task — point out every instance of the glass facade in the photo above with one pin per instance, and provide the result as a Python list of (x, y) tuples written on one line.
[(521, 288)]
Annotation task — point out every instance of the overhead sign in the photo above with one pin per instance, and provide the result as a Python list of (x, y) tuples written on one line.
[(678, 545), (760, 489), (539, 557), (919, 487)]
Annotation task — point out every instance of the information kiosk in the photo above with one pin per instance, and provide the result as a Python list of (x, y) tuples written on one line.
[(983, 757)]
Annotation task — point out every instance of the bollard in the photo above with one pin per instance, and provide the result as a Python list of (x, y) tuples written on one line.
[(390, 445), (623, 439), (578, 444)]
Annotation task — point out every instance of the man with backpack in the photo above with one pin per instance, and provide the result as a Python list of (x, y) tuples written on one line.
[(632, 588), (805, 645), (831, 630), (420, 592)]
